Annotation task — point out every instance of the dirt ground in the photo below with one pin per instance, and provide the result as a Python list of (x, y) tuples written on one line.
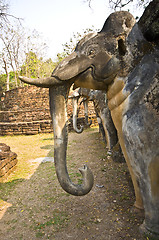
[(40, 209)]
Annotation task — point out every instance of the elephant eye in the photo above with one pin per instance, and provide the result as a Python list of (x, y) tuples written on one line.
[(91, 53)]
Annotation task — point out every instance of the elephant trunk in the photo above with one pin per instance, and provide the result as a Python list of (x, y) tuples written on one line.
[(75, 110), (58, 103)]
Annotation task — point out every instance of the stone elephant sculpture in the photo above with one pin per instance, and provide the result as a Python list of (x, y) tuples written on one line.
[(123, 60), (105, 122), (99, 99), (103, 114), (75, 98)]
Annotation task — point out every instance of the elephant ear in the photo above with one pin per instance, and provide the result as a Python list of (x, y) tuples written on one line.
[(119, 23)]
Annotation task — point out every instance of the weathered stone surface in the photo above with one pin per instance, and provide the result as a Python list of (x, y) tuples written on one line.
[(149, 22)]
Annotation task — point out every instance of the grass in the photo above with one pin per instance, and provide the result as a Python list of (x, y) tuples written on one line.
[(58, 219), (28, 148), (30, 185)]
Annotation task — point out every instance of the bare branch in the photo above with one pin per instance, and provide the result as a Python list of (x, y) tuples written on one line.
[(119, 4), (4, 15), (89, 2)]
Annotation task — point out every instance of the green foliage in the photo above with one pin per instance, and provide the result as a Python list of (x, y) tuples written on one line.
[(2, 83), (31, 66), (47, 67), (36, 67), (12, 79), (60, 56), (12, 82)]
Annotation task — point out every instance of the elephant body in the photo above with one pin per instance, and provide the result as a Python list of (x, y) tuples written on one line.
[(123, 60), (103, 114), (136, 120), (140, 130), (101, 106)]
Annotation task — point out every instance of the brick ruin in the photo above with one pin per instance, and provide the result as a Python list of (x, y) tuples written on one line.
[(8, 160), (25, 110)]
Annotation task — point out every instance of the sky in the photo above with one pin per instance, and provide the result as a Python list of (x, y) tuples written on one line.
[(57, 20)]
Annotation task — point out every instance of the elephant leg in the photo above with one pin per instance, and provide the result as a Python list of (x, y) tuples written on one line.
[(120, 126), (141, 139), (150, 192), (85, 103), (138, 197)]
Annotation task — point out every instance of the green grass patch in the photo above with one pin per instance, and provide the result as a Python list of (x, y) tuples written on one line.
[(58, 220), (6, 188), (27, 148)]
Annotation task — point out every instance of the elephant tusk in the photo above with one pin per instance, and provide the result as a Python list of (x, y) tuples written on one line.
[(75, 106), (42, 82)]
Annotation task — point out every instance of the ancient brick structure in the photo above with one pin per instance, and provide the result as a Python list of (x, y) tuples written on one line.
[(8, 160), (25, 110)]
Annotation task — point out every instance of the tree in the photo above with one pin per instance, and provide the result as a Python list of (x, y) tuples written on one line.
[(34, 53), (19, 46), (4, 15), (30, 67), (37, 67), (6, 70), (47, 67), (11, 41), (3, 12), (119, 4), (3, 86)]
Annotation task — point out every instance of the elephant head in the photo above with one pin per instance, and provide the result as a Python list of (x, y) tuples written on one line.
[(94, 64)]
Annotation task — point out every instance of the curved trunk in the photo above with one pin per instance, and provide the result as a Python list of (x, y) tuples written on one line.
[(85, 103), (75, 109), (58, 103)]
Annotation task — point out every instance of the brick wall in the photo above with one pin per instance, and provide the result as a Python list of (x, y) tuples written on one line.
[(8, 160), (26, 111)]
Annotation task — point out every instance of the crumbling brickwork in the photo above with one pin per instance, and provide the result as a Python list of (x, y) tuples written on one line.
[(25, 110), (8, 160)]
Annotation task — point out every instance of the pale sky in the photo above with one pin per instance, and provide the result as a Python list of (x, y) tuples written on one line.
[(58, 19)]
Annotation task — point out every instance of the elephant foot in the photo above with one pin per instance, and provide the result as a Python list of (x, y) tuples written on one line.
[(138, 211), (148, 233), (139, 205)]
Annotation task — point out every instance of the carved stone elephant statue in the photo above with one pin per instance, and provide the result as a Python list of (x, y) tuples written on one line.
[(123, 60), (100, 101), (103, 114), (75, 95)]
